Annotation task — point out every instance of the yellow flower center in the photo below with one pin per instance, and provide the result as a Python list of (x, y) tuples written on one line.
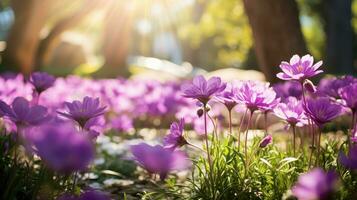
[(300, 68)]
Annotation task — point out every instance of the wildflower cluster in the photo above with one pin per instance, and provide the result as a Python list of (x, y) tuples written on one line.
[(304, 108), (240, 140)]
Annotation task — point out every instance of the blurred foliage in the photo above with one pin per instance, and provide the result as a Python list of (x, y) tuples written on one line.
[(227, 27), (4, 3), (91, 27), (312, 26), (218, 30), (354, 12)]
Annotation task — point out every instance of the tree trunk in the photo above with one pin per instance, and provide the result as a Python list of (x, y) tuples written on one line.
[(47, 45), (23, 39), (339, 32), (116, 40), (276, 32)]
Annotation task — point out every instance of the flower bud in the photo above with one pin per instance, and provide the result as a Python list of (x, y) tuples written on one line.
[(309, 86), (265, 141), (200, 112)]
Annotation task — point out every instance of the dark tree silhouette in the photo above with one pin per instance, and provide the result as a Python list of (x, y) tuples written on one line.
[(339, 35)]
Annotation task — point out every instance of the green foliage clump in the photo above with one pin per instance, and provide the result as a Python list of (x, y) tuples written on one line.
[(267, 173)]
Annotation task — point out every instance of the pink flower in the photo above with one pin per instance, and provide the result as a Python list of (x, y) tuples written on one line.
[(256, 95), (175, 138), (23, 114), (82, 112), (349, 160), (265, 141), (203, 90), (158, 160), (322, 110), (227, 97), (61, 146), (299, 68), (292, 112), (315, 184), (41, 81)]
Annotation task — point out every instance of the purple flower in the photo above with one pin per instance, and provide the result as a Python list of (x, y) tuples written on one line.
[(322, 110), (315, 184), (14, 87), (331, 86), (61, 146), (309, 86), (256, 95), (159, 160), (292, 112), (349, 96), (122, 123), (67, 196), (203, 90), (349, 161), (81, 112), (288, 89), (8, 75), (354, 139), (96, 124), (299, 68), (93, 134), (265, 141), (94, 195), (175, 138), (2, 106), (41, 81), (227, 97), (87, 195), (199, 127), (22, 114)]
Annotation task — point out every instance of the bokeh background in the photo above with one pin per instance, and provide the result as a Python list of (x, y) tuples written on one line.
[(174, 38)]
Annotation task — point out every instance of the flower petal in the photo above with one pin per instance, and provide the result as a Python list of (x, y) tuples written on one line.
[(21, 107)]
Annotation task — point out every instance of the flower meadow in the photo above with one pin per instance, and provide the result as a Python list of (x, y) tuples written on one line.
[(78, 138)]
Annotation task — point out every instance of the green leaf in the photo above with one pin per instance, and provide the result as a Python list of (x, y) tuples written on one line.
[(110, 172), (286, 161), (266, 162)]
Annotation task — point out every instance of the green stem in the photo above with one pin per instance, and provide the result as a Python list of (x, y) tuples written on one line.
[(230, 122), (206, 139), (294, 140), (266, 122), (74, 182), (318, 148), (246, 138), (352, 128), (197, 147), (214, 126), (9, 185), (240, 127), (312, 146), (310, 125), (39, 183), (208, 153)]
